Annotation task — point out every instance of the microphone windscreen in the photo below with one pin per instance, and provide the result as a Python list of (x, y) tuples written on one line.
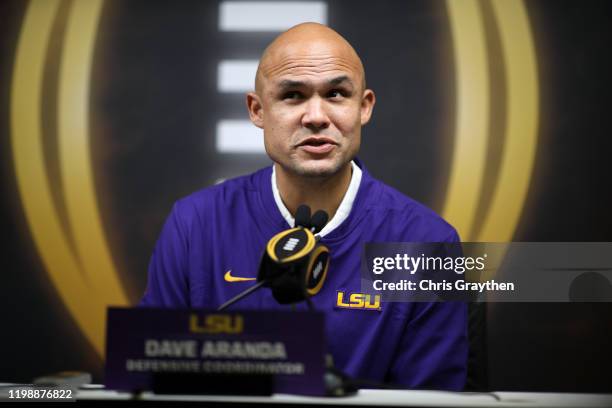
[(302, 216), (318, 220)]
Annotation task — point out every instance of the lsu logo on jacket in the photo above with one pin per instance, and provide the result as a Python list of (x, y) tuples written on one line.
[(358, 301)]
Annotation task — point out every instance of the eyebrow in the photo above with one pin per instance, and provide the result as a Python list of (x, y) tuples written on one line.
[(288, 83), (341, 79)]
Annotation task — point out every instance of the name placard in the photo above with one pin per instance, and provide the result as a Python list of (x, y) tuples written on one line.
[(143, 344)]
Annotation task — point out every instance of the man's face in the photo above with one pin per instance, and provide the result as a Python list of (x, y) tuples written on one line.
[(312, 110)]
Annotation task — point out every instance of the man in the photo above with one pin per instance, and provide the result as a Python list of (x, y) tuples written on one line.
[(311, 101)]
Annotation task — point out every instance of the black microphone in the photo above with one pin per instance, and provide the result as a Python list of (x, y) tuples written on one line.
[(294, 263), (302, 216), (318, 221)]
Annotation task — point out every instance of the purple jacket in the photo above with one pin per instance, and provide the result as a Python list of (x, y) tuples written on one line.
[(226, 227)]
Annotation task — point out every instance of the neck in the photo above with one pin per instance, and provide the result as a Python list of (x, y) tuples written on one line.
[(317, 193)]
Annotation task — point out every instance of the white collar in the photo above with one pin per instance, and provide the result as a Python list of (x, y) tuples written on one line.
[(343, 210)]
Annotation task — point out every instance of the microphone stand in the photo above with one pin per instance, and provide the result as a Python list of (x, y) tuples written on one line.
[(253, 289), (241, 295)]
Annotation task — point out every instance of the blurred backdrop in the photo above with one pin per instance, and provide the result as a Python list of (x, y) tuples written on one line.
[(493, 113)]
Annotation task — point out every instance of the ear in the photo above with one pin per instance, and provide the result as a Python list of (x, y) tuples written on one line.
[(368, 100), (255, 109)]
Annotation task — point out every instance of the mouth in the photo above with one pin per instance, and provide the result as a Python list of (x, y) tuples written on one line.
[(317, 145)]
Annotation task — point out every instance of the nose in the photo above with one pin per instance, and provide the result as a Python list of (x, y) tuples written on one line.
[(315, 116)]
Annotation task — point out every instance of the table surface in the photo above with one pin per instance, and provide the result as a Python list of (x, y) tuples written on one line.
[(378, 398), (389, 398)]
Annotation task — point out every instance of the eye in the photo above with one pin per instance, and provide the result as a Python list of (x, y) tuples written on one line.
[(336, 94), (292, 95)]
